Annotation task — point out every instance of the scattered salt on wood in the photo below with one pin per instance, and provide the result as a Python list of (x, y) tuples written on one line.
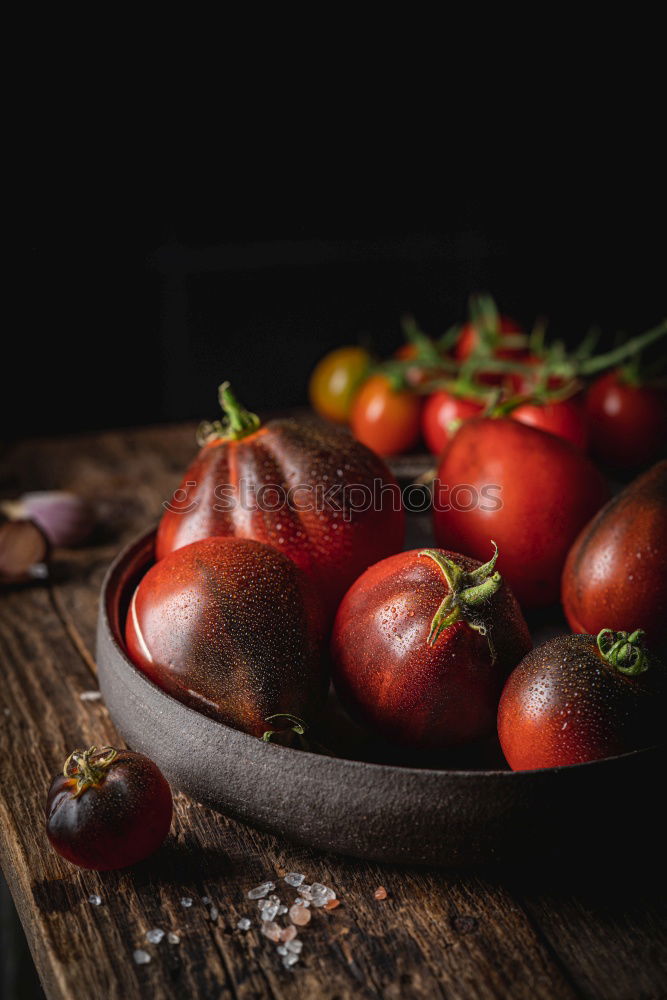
[(141, 957), (380, 893)]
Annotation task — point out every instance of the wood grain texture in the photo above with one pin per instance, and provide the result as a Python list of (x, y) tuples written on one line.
[(594, 931)]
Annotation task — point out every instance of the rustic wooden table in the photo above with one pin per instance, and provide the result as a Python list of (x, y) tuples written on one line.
[(544, 930)]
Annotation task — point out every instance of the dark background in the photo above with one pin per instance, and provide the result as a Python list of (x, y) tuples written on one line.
[(133, 308)]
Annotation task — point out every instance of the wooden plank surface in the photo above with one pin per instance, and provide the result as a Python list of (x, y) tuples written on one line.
[(574, 931)]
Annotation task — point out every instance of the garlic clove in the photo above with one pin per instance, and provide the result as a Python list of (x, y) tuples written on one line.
[(65, 518), (23, 551)]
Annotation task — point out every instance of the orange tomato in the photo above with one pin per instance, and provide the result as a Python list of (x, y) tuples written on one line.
[(335, 380), (386, 420)]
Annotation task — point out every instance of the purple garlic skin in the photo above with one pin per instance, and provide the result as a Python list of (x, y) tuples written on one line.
[(65, 518)]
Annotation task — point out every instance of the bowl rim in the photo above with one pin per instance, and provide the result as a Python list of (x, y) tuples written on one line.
[(143, 539)]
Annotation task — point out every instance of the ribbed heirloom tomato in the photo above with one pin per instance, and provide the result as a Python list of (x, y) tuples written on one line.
[(532, 492), (233, 629), (108, 809), (577, 698), (422, 644), (309, 490)]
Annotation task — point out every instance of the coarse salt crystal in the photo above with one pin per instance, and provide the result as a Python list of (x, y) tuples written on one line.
[(294, 946), (213, 914), (321, 894), (154, 936), (301, 902), (290, 960), (295, 879), (281, 949), (281, 909), (270, 912), (206, 900), (305, 892), (244, 924), (271, 931), (261, 890), (94, 899), (186, 902), (173, 938), (141, 957), (299, 915), (289, 933), (90, 695)]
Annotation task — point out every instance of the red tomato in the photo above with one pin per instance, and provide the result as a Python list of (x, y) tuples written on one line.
[(386, 420), (415, 374), (469, 340), (575, 699), (566, 418), (531, 492), (627, 421), (310, 491), (108, 809), (231, 628), (442, 412), (614, 576), (421, 645)]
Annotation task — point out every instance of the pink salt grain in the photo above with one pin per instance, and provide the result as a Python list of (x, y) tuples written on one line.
[(299, 915), (332, 904), (380, 893), (288, 934)]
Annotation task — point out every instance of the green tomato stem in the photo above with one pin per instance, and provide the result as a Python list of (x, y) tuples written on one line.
[(468, 592), (625, 652)]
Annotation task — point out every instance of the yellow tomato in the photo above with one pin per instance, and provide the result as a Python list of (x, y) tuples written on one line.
[(335, 380)]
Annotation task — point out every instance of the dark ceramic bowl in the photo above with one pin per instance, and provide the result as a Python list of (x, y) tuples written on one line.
[(376, 811)]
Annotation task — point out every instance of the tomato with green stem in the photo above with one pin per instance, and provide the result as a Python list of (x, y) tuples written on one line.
[(579, 698), (108, 809), (443, 413), (421, 646)]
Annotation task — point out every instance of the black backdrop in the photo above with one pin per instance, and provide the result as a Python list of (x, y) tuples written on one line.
[(132, 314)]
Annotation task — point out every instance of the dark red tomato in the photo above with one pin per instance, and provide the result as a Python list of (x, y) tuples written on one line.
[(309, 490), (422, 644), (233, 629), (469, 340), (566, 418), (386, 420), (576, 699), (615, 572), (627, 422), (442, 415), (108, 809), (531, 492)]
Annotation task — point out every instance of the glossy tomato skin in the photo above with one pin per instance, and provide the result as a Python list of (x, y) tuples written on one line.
[(386, 420), (531, 492), (335, 380), (233, 629), (401, 688), (566, 418), (614, 576), (627, 422), (565, 705), (441, 410), (115, 824), (306, 473)]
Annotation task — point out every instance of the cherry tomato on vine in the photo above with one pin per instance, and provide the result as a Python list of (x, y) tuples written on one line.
[(627, 421), (442, 414), (108, 809), (385, 419), (469, 340), (335, 380), (566, 418), (578, 698)]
